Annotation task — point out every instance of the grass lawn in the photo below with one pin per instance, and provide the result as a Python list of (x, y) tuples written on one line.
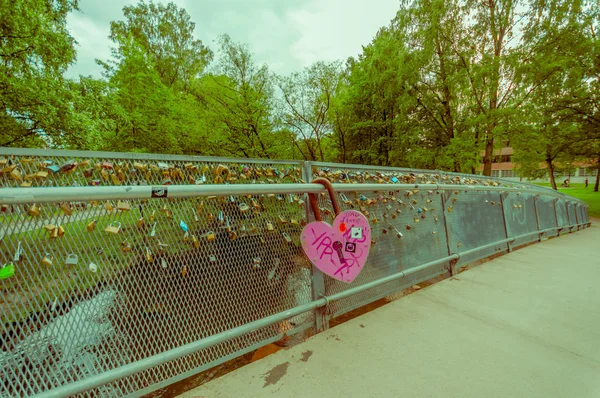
[(586, 194)]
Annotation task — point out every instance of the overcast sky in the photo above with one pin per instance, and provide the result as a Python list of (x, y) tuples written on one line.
[(285, 34)]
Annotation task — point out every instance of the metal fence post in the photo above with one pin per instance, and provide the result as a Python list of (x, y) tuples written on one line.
[(503, 196), (452, 264), (559, 228), (317, 280), (537, 220)]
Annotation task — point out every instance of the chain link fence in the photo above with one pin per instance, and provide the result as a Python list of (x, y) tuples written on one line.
[(91, 286)]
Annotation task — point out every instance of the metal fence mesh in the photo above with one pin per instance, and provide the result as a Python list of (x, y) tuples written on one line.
[(94, 285)]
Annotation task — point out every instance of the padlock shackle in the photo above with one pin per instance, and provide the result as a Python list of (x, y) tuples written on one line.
[(313, 198)]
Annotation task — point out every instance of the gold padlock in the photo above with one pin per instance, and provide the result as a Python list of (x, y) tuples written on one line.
[(169, 214), (140, 222), (152, 216), (113, 229), (16, 174), (41, 174), (49, 227), (149, 256), (210, 236), (91, 226), (109, 207), (115, 179), (123, 206), (270, 226), (104, 175), (47, 260), (54, 233), (293, 221), (34, 210), (195, 242), (282, 220), (66, 207), (26, 184), (61, 230), (125, 246), (184, 270)]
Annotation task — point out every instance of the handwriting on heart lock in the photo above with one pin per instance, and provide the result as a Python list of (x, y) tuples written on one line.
[(339, 250)]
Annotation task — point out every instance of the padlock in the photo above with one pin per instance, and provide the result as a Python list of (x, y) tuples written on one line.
[(125, 246), (153, 232), (184, 270), (49, 227), (450, 208), (270, 226), (294, 221), (41, 174), (210, 236), (113, 229), (243, 207), (115, 179), (26, 184), (123, 205), (72, 259), (7, 271), (91, 226), (169, 214), (106, 165), (186, 237), (408, 227), (34, 210), (195, 242), (256, 262), (282, 220), (66, 207), (163, 263), (47, 260), (149, 256), (54, 233), (232, 235), (16, 175), (61, 230), (152, 216), (4, 208), (212, 258), (109, 207), (221, 218), (416, 219), (93, 267), (287, 237), (183, 226), (104, 175)]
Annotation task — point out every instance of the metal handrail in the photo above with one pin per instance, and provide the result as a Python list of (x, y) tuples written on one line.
[(80, 194)]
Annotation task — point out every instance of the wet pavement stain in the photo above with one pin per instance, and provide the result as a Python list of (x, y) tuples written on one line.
[(306, 355), (275, 374)]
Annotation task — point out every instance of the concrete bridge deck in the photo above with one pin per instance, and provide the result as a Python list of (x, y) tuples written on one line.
[(523, 325)]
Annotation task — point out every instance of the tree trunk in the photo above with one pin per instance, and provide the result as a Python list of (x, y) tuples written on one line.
[(488, 157), (597, 176), (551, 174)]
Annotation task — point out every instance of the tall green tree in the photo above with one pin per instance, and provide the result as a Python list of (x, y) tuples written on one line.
[(306, 105), (36, 49)]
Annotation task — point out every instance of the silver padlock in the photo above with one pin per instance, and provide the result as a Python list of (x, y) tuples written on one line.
[(93, 267), (18, 253), (72, 259)]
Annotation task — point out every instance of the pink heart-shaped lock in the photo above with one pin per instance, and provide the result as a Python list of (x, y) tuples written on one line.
[(341, 250)]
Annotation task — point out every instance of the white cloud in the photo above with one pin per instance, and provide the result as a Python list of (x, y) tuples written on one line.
[(287, 35)]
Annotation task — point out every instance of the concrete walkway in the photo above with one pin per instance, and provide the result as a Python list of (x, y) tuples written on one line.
[(524, 325)]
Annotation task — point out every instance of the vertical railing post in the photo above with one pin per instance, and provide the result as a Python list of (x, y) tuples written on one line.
[(537, 219), (317, 279), (559, 228), (452, 264), (503, 196)]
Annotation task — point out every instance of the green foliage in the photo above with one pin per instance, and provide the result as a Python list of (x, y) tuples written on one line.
[(36, 50), (443, 83)]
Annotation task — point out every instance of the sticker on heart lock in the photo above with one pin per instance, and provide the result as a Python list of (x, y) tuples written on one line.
[(339, 250)]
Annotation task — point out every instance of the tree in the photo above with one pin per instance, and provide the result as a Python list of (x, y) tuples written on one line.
[(166, 34), (307, 101), (36, 50), (238, 96)]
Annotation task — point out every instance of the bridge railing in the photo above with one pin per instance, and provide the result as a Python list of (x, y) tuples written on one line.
[(123, 273)]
